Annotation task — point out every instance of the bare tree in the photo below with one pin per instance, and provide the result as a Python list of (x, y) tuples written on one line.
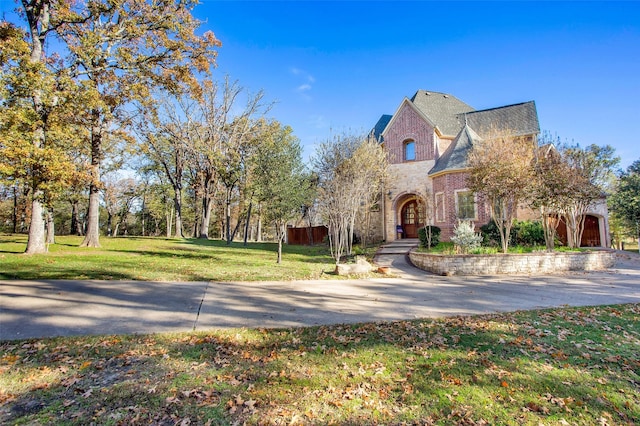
[(351, 169)]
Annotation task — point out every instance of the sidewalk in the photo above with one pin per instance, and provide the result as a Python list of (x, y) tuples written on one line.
[(62, 308)]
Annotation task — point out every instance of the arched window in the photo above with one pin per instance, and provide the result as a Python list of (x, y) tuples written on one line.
[(409, 150)]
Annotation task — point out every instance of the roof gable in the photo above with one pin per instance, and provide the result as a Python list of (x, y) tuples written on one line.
[(455, 157), (442, 109), (406, 103)]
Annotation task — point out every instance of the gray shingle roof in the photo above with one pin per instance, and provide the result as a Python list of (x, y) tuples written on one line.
[(455, 157), (521, 119), (442, 109)]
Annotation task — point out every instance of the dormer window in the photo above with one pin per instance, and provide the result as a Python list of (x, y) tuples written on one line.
[(409, 150)]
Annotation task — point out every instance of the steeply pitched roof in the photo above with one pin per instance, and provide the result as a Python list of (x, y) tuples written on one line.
[(520, 119), (380, 126), (442, 109), (455, 157)]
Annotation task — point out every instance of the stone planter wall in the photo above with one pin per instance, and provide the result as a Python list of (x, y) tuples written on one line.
[(497, 264)]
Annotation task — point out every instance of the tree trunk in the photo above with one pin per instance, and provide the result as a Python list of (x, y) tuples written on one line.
[(14, 216), (109, 224), (92, 237), (207, 203), (259, 229), (228, 221), (178, 212), (76, 225), (247, 222), (36, 242), (169, 222), (281, 230), (38, 19), (50, 226)]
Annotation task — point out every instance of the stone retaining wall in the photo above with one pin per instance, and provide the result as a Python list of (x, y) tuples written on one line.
[(496, 264)]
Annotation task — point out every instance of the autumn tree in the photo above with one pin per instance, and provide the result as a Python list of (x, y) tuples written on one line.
[(500, 168), (281, 183), (550, 189), (625, 200), (590, 171), (121, 50), (37, 119), (350, 169)]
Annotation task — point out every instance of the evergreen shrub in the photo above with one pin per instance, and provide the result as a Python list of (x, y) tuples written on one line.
[(435, 236)]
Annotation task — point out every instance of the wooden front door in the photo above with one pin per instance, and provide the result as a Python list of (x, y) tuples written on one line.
[(412, 219)]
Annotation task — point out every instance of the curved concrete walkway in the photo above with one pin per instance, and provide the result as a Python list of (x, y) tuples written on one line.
[(61, 308)]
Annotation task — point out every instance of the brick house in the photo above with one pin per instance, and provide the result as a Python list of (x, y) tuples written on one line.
[(427, 140)]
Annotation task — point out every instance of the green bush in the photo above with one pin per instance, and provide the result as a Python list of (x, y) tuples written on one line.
[(529, 233), (525, 233), (435, 236), (491, 235)]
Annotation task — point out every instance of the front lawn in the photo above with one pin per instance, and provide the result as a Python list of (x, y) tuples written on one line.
[(161, 259), (573, 366)]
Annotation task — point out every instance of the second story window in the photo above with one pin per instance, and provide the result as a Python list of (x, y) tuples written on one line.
[(409, 151)]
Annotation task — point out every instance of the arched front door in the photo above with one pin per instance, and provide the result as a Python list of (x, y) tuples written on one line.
[(412, 217)]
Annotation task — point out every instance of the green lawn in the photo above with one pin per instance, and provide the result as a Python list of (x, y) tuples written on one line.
[(161, 259), (573, 366)]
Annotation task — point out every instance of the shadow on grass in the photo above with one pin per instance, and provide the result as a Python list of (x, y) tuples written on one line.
[(461, 370)]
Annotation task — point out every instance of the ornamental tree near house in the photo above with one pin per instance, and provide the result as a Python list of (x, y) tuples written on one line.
[(500, 168), (590, 171), (350, 170), (550, 188)]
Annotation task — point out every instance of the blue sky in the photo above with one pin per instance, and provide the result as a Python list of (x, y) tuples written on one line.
[(335, 66)]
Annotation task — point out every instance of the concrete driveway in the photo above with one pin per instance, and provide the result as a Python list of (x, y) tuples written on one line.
[(62, 308)]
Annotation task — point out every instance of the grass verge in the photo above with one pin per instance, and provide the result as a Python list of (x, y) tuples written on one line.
[(160, 259), (577, 366)]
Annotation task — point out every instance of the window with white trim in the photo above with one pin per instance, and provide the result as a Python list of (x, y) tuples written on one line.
[(440, 211), (465, 205)]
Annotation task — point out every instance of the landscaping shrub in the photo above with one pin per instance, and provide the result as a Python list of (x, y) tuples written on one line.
[(524, 233), (465, 237), (529, 233), (435, 236), (491, 235)]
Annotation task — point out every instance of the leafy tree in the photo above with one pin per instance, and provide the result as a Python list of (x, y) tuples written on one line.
[(37, 119), (500, 168), (550, 189), (281, 183), (625, 201), (122, 49), (590, 172)]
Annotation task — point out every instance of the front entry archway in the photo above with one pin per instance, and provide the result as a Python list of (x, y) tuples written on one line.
[(412, 218)]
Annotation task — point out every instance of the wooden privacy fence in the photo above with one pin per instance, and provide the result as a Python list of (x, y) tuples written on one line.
[(307, 235)]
